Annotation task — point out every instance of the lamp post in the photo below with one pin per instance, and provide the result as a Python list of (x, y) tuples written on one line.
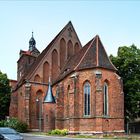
[(39, 105)]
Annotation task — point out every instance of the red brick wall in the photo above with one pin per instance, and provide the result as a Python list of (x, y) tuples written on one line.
[(36, 89), (49, 116), (69, 104), (13, 109), (73, 98), (24, 63)]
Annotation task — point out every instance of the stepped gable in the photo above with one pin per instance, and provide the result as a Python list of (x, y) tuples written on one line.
[(92, 55)]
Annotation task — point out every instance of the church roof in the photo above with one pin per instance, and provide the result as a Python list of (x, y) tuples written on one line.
[(92, 55)]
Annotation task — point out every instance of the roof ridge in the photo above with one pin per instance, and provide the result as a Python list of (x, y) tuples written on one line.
[(97, 48), (84, 53)]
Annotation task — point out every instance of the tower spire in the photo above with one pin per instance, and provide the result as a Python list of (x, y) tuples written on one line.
[(32, 43), (32, 46)]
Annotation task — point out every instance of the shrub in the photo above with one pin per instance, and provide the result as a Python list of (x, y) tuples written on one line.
[(15, 124), (12, 122), (2, 123), (62, 132), (56, 132), (22, 127)]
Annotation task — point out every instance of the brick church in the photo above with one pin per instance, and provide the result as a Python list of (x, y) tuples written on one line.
[(68, 86)]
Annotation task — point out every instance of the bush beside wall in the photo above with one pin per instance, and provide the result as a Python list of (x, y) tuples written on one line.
[(15, 124), (62, 132)]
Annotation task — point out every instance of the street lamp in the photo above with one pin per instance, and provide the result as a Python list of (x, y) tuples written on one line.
[(39, 105)]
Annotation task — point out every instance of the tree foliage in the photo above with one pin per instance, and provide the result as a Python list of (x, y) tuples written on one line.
[(4, 95), (127, 62)]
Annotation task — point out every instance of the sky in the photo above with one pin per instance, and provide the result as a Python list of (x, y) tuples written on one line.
[(116, 22)]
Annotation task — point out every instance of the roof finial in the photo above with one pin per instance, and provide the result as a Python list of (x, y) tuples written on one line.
[(32, 33)]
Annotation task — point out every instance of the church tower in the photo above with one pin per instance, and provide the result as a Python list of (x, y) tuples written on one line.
[(27, 58)]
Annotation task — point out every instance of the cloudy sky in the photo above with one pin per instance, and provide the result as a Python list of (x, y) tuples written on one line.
[(116, 22)]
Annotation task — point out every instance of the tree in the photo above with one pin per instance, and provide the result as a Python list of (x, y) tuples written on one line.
[(127, 62), (4, 95)]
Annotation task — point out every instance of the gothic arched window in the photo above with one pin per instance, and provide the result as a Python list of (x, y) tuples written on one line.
[(55, 68), (76, 48), (87, 98), (105, 109), (62, 52), (69, 49), (46, 67)]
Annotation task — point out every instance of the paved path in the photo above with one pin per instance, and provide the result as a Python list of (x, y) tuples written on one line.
[(34, 137)]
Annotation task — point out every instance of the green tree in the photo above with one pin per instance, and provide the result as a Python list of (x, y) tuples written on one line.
[(127, 62), (4, 95)]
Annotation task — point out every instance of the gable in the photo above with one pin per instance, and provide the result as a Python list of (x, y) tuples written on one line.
[(92, 55), (67, 34)]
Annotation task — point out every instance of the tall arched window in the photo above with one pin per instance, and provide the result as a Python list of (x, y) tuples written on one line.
[(69, 49), (87, 98), (76, 48), (62, 52), (55, 68), (105, 109), (45, 72)]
